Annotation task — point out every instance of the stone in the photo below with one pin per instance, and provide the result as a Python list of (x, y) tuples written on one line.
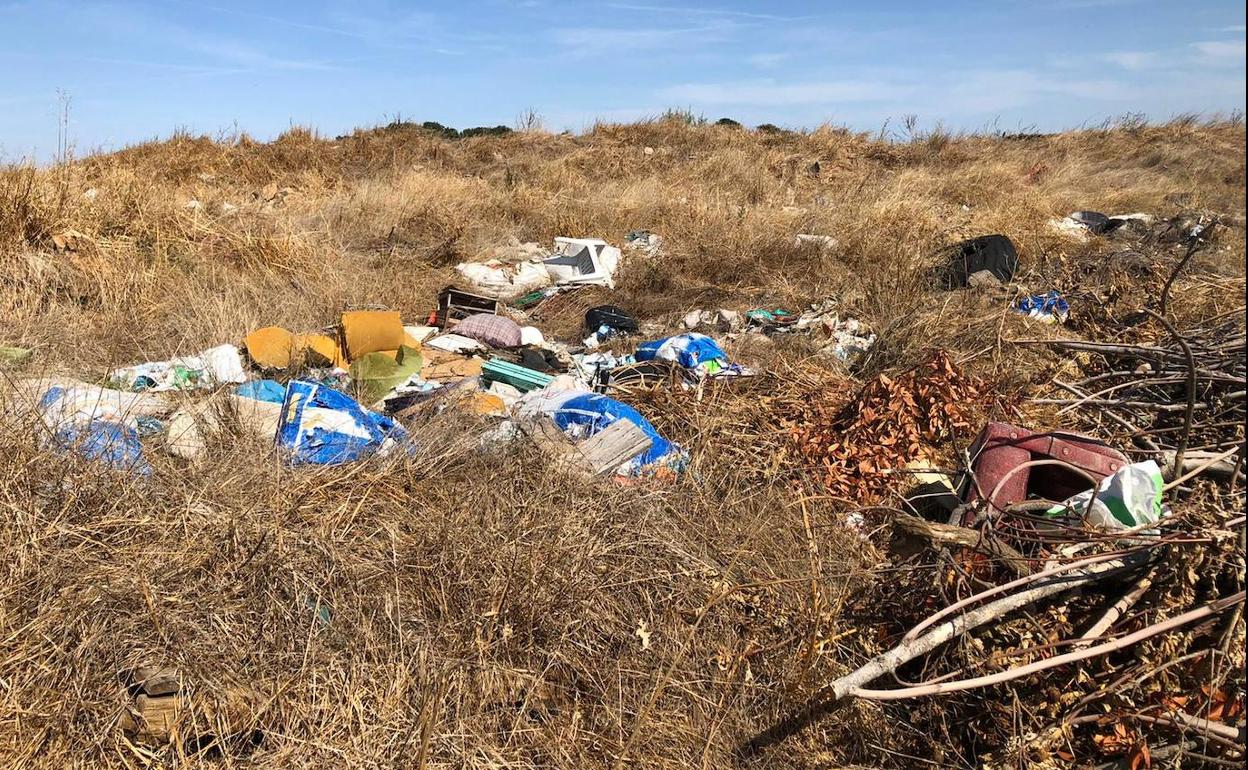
[(984, 279)]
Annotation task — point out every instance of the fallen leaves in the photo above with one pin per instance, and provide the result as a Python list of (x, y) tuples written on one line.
[(888, 423)]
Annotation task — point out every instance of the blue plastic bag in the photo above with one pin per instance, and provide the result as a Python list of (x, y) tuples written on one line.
[(322, 426), (689, 350)]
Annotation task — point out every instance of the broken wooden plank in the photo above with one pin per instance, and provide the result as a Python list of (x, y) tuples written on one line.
[(611, 447)]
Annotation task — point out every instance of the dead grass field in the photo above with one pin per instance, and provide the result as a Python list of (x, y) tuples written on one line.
[(487, 612)]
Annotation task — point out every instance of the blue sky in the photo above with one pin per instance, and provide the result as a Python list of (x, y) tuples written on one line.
[(137, 69)]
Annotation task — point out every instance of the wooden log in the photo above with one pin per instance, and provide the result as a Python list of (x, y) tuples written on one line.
[(953, 535)]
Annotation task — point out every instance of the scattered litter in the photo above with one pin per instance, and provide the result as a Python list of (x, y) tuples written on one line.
[(721, 320), (186, 429), (693, 351), (263, 390), (531, 335), (222, 365), (541, 360), (112, 444), (644, 241), (456, 304), (1050, 307), (821, 242), (606, 321), (497, 280), (372, 331), (984, 279), (769, 319), (70, 240), (418, 335), (1081, 224), (13, 356), (1011, 464), (62, 402), (844, 338)]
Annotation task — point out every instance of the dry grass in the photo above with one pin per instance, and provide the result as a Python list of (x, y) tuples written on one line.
[(486, 611)]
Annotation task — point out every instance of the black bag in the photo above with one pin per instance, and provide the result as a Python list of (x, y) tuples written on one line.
[(611, 317), (541, 360), (994, 253)]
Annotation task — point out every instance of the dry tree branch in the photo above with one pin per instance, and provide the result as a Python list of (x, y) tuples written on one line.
[(938, 688)]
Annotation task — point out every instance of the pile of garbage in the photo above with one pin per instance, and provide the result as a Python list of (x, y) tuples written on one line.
[(842, 338), (527, 268), (360, 388)]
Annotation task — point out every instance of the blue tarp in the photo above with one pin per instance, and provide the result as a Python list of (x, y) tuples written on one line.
[(596, 412), (325, 427)]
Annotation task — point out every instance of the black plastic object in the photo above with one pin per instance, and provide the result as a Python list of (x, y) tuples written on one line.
[(610, 316), (1097, 222), (994, 253)]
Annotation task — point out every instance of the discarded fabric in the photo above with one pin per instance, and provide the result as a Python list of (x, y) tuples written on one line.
[(324, 427), (493, 330)]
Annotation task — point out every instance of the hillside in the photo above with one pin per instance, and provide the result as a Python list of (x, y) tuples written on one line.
[(463, 606)]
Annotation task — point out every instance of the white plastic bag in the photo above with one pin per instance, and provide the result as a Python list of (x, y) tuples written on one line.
[(1130, 498)]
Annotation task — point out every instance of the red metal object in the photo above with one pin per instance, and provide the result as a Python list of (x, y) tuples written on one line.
[(1002, 447)]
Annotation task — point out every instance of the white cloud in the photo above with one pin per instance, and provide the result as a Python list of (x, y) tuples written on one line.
[(1134, 60), (609, 41), (772, 94), (989, 91), (1221, 51), (1240, 28), (766, 61), (696, 12)]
